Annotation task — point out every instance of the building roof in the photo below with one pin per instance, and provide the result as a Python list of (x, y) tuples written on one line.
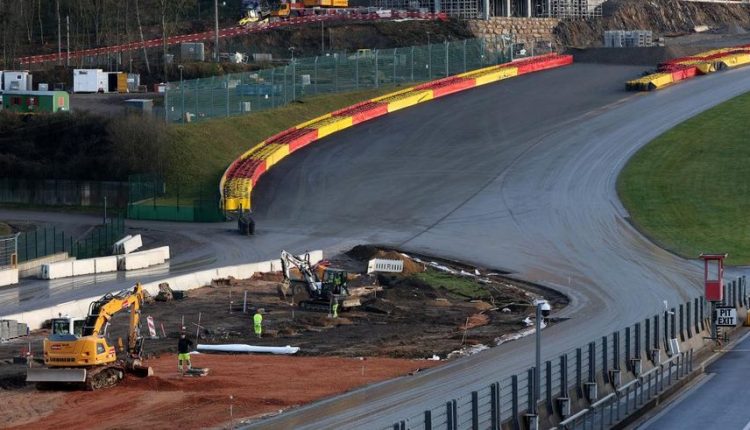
[(35, 93)]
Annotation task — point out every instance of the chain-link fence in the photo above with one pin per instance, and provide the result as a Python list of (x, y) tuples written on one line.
[(56, 192), (234, 94), (151, 199), (8, 252), (48, 240)]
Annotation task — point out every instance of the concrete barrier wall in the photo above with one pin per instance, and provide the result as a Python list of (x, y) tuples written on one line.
[(62, 269), (84, 267), (143, 259), (33, 268), (105, 264), (8, 277), (132, 244), (79, 308)]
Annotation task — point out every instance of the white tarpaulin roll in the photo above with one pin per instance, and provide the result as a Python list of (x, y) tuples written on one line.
[(239, 347)]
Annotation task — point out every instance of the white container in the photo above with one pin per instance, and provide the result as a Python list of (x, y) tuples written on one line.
[(62, 269), (17, 80), (105, 264), (84, 267), (89, 81)]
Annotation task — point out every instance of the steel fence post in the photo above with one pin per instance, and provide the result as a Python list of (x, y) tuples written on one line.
[(427, 420), (564, 375), (548, 376), (514, 399), (412, 64), (356, 70), (464, 46), (447, 63), (495, 406), (377, 78), (605, 361), (474, 410), (315, 75), (395, 62), (579, 372)]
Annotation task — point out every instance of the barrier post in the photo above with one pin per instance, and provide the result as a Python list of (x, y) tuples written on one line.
[(446, 59), (464, 55), (412, 64)]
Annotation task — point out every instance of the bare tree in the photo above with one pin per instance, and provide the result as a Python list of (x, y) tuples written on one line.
[(140, 30)]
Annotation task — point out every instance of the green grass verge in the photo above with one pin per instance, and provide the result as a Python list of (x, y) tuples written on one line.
[(688, 189), (459, 286), (5, 229), (200, 152)]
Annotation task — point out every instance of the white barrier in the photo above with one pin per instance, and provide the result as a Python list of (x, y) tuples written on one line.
[(62, 269), (8, 277), (84, 267), (117, 246), (127, 244), (79, 308), (105, 264), (143, 259)]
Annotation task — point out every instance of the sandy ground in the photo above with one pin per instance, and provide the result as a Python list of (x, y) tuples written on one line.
[(250, 385)]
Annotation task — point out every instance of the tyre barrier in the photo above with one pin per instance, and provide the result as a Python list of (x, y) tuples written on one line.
[(679, 69), (243, 174)]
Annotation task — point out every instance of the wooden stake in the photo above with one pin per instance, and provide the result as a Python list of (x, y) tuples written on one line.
[(244, 303), (197, 330)]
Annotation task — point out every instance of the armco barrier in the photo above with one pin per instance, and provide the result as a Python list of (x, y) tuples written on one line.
[(241, 176), (678, 69), (79, 308)]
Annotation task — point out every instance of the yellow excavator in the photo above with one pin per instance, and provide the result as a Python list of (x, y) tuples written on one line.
[(84, 357)]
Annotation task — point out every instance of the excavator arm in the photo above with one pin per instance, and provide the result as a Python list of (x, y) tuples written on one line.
[(102, 310), (305, 268)]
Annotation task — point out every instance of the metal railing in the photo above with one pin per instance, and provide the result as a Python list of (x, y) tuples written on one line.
[(630, 352), (8, 252), (239, 93)]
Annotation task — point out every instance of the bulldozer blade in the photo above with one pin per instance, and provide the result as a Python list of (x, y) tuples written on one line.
[(352, 302), (141, 371), (55, 375)]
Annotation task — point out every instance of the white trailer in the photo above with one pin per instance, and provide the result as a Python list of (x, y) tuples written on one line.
[(16, 80), (90, 81)]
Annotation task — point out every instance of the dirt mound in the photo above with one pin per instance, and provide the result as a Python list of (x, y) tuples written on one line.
[(153, 383), (476, 320), (663, 17), (410, 266)]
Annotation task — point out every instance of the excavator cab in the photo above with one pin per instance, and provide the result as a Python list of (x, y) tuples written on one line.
[(67, 325)]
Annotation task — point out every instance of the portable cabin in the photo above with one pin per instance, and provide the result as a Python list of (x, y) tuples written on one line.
[(36, 101)]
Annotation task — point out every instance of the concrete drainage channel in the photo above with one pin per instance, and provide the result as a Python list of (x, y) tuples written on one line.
[(604, 384)]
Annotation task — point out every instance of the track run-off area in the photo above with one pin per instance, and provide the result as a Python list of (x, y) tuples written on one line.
[(517, 176)]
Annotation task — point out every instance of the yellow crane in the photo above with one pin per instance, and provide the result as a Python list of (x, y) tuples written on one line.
[(87, 358)]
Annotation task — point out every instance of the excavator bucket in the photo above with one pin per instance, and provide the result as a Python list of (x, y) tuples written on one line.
[(141, 371), (55, 375)]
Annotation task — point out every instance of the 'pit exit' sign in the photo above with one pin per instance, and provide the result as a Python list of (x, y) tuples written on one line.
[(726, 317)]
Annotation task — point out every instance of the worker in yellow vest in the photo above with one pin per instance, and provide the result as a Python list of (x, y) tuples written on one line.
[(258, 323)]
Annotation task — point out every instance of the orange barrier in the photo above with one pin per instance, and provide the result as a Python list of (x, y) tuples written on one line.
[(243, 174)]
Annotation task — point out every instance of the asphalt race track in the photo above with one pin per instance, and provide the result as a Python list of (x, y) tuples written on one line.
[(518, 176)]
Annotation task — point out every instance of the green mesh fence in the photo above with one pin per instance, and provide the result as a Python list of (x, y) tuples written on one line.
[(233, 94), (152, 199), (47, 240)]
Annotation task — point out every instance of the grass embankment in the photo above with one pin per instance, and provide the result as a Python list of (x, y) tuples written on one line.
[(5, 229), (200, 152), (688, 189), (467, 288)]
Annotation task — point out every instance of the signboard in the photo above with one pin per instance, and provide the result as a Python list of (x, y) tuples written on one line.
[(726, 317), (381, 265)]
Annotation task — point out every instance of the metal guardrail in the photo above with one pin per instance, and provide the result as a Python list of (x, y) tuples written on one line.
[(616, 406), (573, 373)]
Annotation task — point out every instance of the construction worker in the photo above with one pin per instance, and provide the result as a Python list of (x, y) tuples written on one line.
[(183, 356), (258, 323), (335, 308)]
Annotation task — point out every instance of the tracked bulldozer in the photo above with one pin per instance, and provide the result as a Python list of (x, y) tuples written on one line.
[(78, 352)]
